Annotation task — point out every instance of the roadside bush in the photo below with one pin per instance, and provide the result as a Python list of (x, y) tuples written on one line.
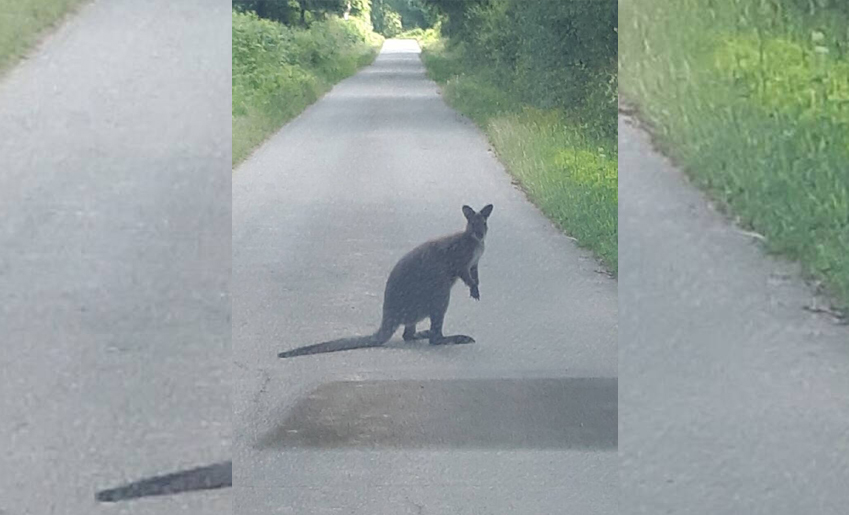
[(387, 22), (540, 79), (557, 54), (424, 36), (279, 70), (391, 16)]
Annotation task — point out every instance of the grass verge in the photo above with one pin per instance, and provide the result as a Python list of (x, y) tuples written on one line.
[(571, 176), (23, 23), (752, 98), (278, 71)]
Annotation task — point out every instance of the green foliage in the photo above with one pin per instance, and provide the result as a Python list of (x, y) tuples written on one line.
[(414, 13), (478, 98), (753, 99), (558, 54), (389, 24), (427, 36), (540, 79), (573, 183), (291, 12), (390, 16), (284, 11), (21, 24), (568, 171), (361, 9), (454, 12), (279, 70)]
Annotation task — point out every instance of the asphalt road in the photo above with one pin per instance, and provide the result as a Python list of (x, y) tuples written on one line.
[(321, 212), (115, 258), (735, 397)]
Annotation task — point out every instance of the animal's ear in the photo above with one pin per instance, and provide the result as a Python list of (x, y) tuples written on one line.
[(468, 212), (486, 210)]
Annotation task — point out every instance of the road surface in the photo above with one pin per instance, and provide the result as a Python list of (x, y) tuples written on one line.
[(115, 258), (735, 398), (321, 212)]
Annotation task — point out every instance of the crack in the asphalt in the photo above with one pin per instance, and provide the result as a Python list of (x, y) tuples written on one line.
[(266, 378), (218, 475)]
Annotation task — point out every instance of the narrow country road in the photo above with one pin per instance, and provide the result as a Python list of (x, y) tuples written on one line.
[(736, 397), (522, 421), (115, 258)]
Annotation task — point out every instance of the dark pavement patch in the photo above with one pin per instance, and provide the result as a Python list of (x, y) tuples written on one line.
[(572, 413)]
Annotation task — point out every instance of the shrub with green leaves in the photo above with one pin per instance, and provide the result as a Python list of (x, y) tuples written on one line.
[(552, 54), (423, 36), (391, 23), (753, 99), (391, 16), (571, 173), (279, 70), (540, 79)]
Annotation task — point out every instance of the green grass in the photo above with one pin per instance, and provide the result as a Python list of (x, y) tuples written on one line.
[(278, 71), (22, 23), (752, 98), (423, 36), (568, 174)]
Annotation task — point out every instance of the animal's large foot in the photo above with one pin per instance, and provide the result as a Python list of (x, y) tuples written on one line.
[(410, 336), (450, 340)]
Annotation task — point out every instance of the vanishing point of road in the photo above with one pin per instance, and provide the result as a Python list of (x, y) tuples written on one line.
[(522, 421)]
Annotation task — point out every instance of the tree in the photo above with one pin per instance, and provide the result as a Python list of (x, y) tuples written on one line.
[(284, 11), (319, 8), (454, 11), (290, 11)]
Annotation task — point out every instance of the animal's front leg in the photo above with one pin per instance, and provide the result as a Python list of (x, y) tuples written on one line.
[(466, 277), (475, 282)]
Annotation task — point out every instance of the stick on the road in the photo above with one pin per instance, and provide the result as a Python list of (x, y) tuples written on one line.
[(419, 287), (219, 475)]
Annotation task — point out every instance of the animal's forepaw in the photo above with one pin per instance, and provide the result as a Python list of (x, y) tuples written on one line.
[(476, 294)]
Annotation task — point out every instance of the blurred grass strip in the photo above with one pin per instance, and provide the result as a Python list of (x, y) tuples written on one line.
[(22, 23), (752, 98)]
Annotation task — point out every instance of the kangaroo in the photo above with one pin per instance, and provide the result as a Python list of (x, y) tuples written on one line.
[(419, 287)]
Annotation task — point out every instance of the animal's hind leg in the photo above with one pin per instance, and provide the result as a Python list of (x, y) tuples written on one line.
[(437, 338), (410, 333)]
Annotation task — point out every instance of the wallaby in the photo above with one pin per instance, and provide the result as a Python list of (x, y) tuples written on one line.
[(419, 287)]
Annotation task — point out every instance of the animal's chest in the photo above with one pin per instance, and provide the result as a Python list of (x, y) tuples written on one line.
[(476, 254)]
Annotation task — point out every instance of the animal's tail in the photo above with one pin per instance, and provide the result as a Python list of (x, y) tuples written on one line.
[(360, 342)]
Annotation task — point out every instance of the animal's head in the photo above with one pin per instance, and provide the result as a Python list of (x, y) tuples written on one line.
[(476, 222)]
